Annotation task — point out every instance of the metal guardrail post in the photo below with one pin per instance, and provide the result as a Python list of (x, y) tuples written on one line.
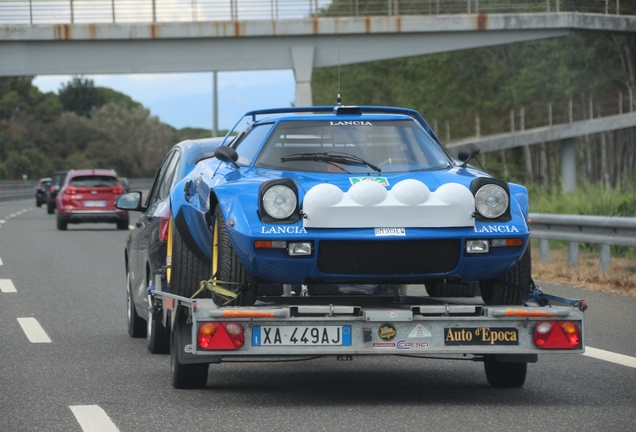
[(604, 256), (573, 253), (544, 250)]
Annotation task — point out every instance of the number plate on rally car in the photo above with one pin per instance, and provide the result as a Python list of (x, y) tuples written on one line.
[(301, 335)]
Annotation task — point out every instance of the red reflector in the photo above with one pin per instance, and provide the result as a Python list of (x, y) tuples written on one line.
[(561, 335), (164, 224), (262, 244), (70, 191), (220, 336), (514, 242), (118, 191)]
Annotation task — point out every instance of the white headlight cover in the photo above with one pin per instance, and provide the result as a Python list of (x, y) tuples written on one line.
[(491, 201), (279, 202)]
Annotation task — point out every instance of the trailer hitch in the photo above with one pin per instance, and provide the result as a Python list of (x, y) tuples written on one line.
[(543, 299)]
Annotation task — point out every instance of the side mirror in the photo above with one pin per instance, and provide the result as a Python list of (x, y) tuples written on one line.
[(226, 154), (467, 152), (130, 201)]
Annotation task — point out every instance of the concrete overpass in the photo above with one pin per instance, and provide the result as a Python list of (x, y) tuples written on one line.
[(298, 44)]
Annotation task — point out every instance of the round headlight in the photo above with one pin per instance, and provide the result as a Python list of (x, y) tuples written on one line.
[(491, 201), (279, 202)]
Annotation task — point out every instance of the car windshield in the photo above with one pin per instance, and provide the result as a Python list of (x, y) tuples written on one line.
[(93, 181), (351, 147)]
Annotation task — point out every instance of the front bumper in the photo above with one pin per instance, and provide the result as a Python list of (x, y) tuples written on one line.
[(358, 256)]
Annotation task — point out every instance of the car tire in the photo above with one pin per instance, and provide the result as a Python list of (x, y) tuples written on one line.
[(503, 374), (185, 376), (50, 208), (62, 224), (493, 292), (122, 225), (38, 204), (136, 324), (157, 336), (187, 270), (452, 289), (230, 268)]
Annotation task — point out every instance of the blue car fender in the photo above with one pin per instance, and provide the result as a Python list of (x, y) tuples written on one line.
[(189, 219)]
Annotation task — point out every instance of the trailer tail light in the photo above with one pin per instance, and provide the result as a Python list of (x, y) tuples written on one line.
[(220, 336), (557, 335)]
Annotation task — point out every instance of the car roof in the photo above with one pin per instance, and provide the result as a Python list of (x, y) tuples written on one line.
[(90, 172), (330, 113), (45, 179), (197, 149)]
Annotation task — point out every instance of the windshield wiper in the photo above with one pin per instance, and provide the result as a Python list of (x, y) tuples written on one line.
[(343, 158)]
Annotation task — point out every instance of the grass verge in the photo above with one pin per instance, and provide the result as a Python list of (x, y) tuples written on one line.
[(619, 278)]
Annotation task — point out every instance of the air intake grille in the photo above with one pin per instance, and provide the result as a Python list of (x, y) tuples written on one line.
[(392, 257)]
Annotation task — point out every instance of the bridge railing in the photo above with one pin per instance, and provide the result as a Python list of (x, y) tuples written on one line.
[(143, 11), (574, 229), (534, 115)]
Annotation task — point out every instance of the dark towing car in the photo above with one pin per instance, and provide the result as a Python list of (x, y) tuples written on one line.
[(145, 253)]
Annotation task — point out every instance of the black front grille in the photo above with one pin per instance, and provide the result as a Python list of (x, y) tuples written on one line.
[(388, 257)]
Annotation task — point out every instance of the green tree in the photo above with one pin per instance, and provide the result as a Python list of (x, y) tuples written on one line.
[(81, 96)]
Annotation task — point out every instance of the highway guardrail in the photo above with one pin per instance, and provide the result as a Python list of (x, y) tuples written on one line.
[(604, 231)]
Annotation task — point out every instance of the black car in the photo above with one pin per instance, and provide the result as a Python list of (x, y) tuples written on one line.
[(57, 180), (146, 247), (41, 190)]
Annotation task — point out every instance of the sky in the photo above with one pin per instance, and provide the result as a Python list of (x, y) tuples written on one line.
[(185, 99)]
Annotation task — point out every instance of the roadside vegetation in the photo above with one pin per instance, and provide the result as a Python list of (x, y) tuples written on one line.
[(80, 126)]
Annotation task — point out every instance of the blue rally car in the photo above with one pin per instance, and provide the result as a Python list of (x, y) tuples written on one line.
[(345, 195)]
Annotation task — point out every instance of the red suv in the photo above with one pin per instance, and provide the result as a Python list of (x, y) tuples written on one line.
[(89, 196)]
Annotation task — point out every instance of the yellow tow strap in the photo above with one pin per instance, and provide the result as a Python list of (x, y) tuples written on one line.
[(212, 285)]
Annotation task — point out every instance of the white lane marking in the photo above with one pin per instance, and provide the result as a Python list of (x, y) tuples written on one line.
[(6, 286), (92, 418), (33, 330), (13, 215), (610, 357), (1, 263), (2, 221)]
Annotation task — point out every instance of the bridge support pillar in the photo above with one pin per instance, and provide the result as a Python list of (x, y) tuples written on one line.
[(568, 164), (303, 60)]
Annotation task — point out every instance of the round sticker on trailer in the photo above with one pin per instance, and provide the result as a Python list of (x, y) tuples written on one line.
[(387, 331)]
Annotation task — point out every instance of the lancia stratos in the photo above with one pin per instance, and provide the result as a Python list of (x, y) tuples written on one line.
[(321, 196)]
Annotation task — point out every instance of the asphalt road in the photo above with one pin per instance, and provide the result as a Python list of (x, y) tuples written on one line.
[(72, 283)]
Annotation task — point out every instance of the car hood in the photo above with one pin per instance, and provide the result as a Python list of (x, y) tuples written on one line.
[(426, 199)]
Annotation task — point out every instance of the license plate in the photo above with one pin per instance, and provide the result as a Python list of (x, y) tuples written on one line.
[(481, 336), (301, 335), (383, 232), (94, 203)]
